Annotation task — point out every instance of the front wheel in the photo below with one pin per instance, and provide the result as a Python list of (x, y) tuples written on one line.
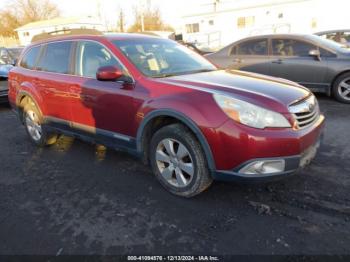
[(178, 161), (341, 88)]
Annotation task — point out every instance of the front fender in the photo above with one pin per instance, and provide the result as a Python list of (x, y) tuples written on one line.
[(186, 121)]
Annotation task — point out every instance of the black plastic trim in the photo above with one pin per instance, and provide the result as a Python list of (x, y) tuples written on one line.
[(292, 165), (187, 121)]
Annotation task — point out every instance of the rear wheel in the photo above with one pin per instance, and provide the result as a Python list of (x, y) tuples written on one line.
[(341, 88), (178, 161), (33, 123)]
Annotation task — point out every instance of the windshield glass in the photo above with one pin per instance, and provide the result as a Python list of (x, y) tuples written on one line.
[(162, 58), (330, 44), (15, 52)]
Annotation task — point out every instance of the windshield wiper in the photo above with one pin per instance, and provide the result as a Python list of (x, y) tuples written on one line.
[(185, 73), (164, 75)]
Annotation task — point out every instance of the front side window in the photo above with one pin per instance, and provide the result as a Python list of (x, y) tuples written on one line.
[(29, 59), (290, 47), (91, 56), (56, 58), (162, 58), (251, 47)]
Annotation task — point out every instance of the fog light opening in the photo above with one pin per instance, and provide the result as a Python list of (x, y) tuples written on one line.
[(264, 167)]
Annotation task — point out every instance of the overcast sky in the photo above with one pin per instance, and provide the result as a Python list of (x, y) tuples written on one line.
[(171, 10)]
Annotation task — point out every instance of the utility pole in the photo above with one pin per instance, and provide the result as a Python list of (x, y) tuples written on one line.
[(142, 21), (145, 4), (216, 2)]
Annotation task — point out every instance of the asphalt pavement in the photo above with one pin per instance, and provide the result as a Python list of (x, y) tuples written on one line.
[(78, 198)]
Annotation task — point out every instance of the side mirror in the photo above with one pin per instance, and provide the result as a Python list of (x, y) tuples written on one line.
[(108, 73), (5, 58), (315, 53)]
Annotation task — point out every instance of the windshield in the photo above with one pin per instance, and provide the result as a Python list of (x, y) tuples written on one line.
[(162, 58), (15, 52), (330, 43)]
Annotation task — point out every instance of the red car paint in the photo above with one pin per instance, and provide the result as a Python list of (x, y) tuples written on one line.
[(122, 108)]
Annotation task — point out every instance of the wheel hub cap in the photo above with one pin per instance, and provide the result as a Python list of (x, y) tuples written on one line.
[(174, 162), (344, 89), (33, 125)]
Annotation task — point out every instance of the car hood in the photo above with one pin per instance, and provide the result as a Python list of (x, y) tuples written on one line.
[(256, 88)]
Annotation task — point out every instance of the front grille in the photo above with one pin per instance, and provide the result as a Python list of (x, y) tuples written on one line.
[(305, 112)]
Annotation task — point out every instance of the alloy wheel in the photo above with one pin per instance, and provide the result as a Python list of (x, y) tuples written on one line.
[(33, 126), (174, 162), (344, 89)]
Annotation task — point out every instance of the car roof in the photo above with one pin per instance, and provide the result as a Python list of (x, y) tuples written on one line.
[(275, 36), (332, 31), (108, 36)]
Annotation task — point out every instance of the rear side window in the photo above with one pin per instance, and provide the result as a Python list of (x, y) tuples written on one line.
[(290, 47), (29, 59), (56, 58), (251, 47)]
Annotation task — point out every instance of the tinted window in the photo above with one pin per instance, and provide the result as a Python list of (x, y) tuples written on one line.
[(252, 47), (30, 58), (15, 52), (290, 47), (91, 56), (56, 58)]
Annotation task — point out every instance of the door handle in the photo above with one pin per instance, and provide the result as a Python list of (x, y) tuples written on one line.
[(278, 61)]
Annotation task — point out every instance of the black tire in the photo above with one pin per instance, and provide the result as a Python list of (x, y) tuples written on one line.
[(46, 139), (200, 180), (336, 89)]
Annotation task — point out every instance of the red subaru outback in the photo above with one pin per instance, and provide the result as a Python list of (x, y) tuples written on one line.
[(159, 100)]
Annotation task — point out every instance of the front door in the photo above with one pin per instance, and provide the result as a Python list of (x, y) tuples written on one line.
[(251, 56), (102, 108)]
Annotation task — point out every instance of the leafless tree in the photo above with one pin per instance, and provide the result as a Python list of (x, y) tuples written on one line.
[(121, 21), (149, 19), (21, 12)]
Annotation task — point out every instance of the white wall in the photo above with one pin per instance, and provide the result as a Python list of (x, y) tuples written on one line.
[(26, 39), (300, 17)]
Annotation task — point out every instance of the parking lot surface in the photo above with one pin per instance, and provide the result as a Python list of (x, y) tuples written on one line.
[(78, 198)]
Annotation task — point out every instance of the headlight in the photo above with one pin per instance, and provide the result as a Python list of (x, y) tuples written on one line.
[(249, 114)]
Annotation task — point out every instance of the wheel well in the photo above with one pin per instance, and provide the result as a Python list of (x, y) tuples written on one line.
[(337, 76), (152, 127), (22, 101)]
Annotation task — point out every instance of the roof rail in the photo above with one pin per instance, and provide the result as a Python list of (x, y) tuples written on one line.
[(65, 32)]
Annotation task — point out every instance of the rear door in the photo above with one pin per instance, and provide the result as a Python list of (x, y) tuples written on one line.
[(291, 60), (53, 79)]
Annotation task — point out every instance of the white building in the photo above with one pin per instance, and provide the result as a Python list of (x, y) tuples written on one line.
[(26, 32), (225, 21)]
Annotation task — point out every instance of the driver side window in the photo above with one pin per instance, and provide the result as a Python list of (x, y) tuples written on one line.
[(90, 56)]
